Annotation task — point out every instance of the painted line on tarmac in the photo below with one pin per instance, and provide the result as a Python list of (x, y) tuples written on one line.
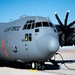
[(31, 70)]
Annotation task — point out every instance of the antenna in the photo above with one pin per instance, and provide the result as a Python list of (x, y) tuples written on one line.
[(36, 18), (48, 18), (11, 19)]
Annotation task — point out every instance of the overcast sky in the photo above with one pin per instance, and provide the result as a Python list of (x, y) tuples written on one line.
[(13, 9)]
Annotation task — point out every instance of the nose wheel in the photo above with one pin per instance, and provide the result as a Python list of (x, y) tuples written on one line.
[(38, 66), (34, 65)]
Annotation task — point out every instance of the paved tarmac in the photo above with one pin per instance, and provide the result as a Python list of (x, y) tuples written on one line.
[(50, 69)]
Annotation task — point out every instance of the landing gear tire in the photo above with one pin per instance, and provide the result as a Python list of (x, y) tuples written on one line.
[(42, 67), (35, 65), (38, 66)]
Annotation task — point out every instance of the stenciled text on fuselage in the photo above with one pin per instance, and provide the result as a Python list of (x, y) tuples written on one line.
[(14, 28)]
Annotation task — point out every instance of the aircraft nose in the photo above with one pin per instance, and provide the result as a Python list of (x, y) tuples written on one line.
[(53, 44)]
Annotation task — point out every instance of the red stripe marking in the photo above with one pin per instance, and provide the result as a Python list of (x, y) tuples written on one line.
[(4, 49)]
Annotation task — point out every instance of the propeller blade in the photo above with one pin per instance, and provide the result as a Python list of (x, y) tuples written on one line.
[(66, 18), (63, 39), (71, 24), (59, 21)]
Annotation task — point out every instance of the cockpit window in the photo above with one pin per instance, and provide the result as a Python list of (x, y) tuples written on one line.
[(51, 25), (28, 26), (33, 25), (33, 21), (45, 24), (30, 21), (25, 26), (27, 21), (38, 24)]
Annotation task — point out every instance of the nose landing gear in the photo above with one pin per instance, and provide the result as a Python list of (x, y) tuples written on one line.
[(38, 66)]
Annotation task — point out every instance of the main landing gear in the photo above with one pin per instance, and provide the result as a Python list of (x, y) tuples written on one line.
[(38, 66)]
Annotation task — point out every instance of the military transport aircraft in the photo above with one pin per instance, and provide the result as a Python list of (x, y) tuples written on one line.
[(34, 39)]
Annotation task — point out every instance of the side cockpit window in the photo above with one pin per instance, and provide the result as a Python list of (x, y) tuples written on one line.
[(25, 26), (29, 24)]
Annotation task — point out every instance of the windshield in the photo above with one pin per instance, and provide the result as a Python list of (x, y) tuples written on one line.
[(30, 24), (51, 25), (38, 24), (45, 24)]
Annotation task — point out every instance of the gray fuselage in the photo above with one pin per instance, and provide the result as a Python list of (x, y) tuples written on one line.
[(28, 39)]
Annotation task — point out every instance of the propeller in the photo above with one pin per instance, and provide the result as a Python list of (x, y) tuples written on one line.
[(64, 28)]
